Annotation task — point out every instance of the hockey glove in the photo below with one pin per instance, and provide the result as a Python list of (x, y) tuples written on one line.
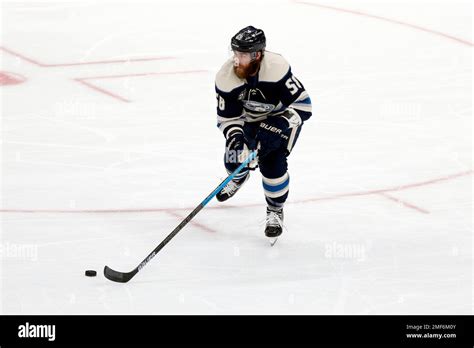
[(271, 132), (237, 149)]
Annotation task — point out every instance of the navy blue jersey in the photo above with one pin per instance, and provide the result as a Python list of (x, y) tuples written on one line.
[(269, 93)]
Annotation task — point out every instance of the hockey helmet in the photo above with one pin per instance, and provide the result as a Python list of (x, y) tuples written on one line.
[(248, 39)]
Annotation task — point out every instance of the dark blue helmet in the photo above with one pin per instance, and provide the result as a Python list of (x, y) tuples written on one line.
[(248, 39)]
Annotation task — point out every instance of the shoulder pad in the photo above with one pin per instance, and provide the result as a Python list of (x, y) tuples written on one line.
[(274, 67), (226, 80)]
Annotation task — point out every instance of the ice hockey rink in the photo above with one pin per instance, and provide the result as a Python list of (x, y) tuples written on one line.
[(109, 140)]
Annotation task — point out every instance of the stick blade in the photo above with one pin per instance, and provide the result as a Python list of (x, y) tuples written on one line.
[(116, 276)]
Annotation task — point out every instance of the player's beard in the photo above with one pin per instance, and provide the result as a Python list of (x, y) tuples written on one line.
[(243, 72)]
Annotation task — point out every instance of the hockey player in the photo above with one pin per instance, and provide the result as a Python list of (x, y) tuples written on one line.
[(260, 105)]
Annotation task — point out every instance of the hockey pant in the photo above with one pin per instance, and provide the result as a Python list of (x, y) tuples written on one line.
[(274, 166)]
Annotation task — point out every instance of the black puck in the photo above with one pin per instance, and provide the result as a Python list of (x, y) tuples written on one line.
[(91, 273)]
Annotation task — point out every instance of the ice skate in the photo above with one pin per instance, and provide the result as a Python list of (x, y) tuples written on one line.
[(274, 224), (231, 189)]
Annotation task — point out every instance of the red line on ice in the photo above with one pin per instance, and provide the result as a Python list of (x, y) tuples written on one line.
[(404, 203), (102, 90), (110, 61), (21, 56), (8, 78), (413, 26), (154, 210), (192, 222), (116, 96), (390, 189), (144, 74)]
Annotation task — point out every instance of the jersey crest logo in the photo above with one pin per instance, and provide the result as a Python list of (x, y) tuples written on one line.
[(257, 106), (256, 102), (256, 94)]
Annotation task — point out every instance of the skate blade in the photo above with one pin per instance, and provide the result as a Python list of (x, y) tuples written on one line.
[(273, 240)]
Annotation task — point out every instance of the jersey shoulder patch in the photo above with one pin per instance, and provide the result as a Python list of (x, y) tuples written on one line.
[(274, 67), (226, 80)]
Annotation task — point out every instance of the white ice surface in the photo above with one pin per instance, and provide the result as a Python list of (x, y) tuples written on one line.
[(392, 112)]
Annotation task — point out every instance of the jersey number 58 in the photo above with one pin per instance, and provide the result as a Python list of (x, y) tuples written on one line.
[(293, 84)]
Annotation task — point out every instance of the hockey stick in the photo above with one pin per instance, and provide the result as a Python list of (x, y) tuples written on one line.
[(123, 277)]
